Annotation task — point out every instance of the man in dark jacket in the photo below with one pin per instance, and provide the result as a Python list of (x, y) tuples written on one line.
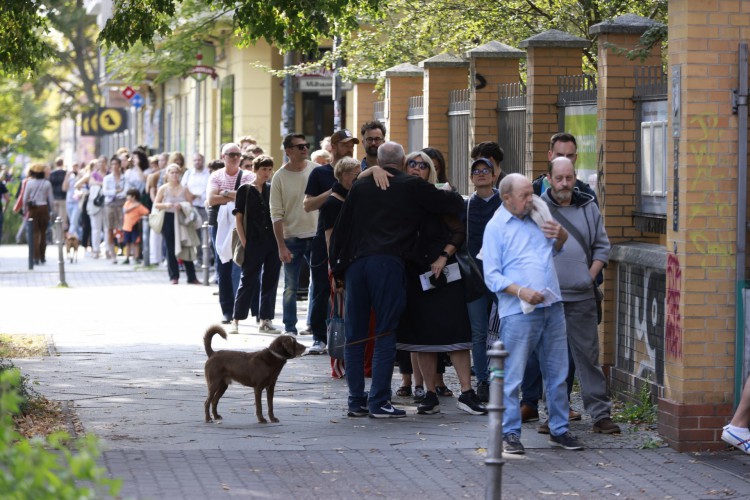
[(375, 230)]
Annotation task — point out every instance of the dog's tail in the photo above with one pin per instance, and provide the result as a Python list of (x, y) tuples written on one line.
[(212, 330)]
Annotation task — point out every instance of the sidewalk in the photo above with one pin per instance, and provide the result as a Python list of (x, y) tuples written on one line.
[(129, 362)]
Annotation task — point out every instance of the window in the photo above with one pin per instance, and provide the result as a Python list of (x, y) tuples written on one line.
[(653, 158)]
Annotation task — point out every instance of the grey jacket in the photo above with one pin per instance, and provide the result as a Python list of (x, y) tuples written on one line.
[(571, 263)]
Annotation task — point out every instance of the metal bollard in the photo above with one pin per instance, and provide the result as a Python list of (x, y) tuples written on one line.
[(205, 256), (30, 240), (495, 408), (146, 238), (60, 256)]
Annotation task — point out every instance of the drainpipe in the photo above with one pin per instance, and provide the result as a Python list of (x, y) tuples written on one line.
[(739, 106)]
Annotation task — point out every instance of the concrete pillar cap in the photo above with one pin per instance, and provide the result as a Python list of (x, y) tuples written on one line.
[(444, 60), (496, 50), (403, 69), (628, 24), (555, 39)]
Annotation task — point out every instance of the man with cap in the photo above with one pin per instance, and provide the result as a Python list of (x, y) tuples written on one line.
[(316, 193)]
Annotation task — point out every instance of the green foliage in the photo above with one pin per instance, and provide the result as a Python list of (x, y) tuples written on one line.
[(45, 468), (23, 121), (23, 46), (641, 409)]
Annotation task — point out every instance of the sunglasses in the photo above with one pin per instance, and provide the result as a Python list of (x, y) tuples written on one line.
[(480, 171), (233, 155), (301, 147), (417, 164), (374, 140)]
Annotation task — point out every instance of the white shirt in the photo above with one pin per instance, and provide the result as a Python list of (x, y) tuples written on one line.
[(196, 182)]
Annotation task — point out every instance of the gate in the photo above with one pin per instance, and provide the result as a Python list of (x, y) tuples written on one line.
[(415, 124), (576, 103), (511, 126), (459, 108)]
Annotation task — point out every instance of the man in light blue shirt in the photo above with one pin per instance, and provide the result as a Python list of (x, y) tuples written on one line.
[(518, 267)]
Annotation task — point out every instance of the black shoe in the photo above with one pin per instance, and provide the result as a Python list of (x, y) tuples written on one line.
[(418, 393), (429, 405), (483, 392), (512, 445), (567, 441), (469, 403)]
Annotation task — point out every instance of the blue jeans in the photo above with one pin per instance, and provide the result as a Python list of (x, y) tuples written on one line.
[(479, 319), (228, 275), (300, 249), (376, 282), (542, 330)]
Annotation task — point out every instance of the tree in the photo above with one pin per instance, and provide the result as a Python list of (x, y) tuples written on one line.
[(23, 122), (23, 45)]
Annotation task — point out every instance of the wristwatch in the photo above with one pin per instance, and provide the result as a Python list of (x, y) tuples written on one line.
[(225, 193), (444, 254)]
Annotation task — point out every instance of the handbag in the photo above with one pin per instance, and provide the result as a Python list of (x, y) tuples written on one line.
[(155, 219), (473, 277), (99, 200), (238, 251), (336, 334)]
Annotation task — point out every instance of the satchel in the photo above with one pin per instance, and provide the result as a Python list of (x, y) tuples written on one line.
[(99, 200), (155, 219), (474, 286), (238, 251), (336, 335)]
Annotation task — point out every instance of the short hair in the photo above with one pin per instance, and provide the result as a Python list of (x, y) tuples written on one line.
[(435, 154), (116, 158), (247, 138), (345, 165), (173, 166), (488, 149), (432, 178), (262, 161), (287, 143), (133, 192), (215, 165), (121, 151), (247, 156), (59, 161), (227, 145), (320, 153), (508, 184), (553, 160), (372, 126), (562, 137), (256, 150), (391, 154)]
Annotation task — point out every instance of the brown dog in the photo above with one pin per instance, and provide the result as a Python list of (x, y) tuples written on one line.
[(258, 370), (71, 247)]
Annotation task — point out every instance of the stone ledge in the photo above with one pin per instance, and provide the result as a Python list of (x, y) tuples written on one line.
[(636, 252)]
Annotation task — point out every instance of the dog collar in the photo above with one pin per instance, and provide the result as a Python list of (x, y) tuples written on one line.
[(277, 354)]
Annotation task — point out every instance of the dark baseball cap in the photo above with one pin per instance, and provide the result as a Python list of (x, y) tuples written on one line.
[(343, 135)]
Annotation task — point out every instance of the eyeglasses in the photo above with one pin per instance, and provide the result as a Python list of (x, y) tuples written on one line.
[(417, 164), (300, 147), (373, 140), (233, 155), (481, 171)]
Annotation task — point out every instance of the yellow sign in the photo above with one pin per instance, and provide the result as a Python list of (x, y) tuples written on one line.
[(106, 121)]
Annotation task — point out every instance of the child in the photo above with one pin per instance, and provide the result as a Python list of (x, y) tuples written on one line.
[(132, 210)]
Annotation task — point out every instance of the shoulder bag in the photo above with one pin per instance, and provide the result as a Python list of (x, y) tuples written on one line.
[(473, 278)]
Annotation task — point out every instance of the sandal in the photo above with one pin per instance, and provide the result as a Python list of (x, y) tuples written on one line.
[(443, 391), (404, 391)]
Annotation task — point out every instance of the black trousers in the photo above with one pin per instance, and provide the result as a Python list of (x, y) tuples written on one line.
[(259, 280), (173, 268)]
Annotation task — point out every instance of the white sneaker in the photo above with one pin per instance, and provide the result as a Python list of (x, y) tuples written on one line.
[(267, 327), (234, 328), (318, 347), (739, 439)]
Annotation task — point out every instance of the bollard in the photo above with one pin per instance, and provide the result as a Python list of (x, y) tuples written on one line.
[(146, 238), (495, 408), (60, 256), (205, 256), (30, 239)]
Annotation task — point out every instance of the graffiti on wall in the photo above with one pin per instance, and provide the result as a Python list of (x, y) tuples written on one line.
[(641, 321), (673, 333), (715, 204)]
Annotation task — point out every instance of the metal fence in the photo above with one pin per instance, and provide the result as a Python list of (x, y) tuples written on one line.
[(511, 126), (459, 108), (379, 111), (575, 90), (415, 123)]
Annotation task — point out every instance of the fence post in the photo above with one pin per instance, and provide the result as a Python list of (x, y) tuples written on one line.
[(145, 236), (60, 255), (205, 256), (495, 408), (30, 240)]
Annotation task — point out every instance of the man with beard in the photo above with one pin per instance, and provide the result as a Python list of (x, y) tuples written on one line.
[(373, 135), (586, 253)]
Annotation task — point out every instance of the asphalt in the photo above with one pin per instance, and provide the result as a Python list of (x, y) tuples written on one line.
[(127, 359)]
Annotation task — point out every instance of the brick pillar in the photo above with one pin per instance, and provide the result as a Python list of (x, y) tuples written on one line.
[(700, 298), (490, 65), (442, 74), (549, 55), (363, 96), (401, 83), (617, 129)]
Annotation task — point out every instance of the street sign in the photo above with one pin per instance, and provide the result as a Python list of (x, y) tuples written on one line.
[(106, 121), (137, 101), (128, 92)]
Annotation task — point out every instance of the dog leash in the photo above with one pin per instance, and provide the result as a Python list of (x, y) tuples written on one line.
[(368, 339)]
